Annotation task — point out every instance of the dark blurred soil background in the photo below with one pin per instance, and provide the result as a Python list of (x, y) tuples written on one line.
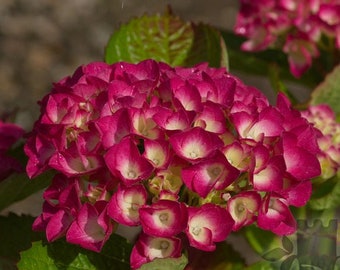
[(42, 41)]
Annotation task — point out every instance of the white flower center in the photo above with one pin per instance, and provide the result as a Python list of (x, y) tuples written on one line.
[(131, 174), (193, 154), (164, 245), (163, 217), (196, 231)]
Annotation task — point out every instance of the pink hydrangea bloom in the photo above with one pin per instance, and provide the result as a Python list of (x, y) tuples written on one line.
[(323, 118), (300, 24), (180, 152)]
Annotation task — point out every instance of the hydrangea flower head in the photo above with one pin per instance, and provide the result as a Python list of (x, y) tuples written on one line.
[(180, 152)]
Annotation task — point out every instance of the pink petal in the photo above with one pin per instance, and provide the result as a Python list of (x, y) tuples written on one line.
[(90, 230), (270, 178), (208, 217), (125, 162), (148, 248), (58, 225), (164, 218), (157, 152), (211, 119), (213, 173), (297, 158), (113, 128), (170, 120), (124, 204), (73, 163), (274, 215), (243, 207), (195, 144)]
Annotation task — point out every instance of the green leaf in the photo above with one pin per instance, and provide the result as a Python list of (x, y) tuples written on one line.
[(61, 255), (260, 240), (287, 244), (15, 235), (166, 264), (223, 258), (329, 91), (275, 254), (290, 263), (168, 39), (262, 265), (18, 186), (326, 195)]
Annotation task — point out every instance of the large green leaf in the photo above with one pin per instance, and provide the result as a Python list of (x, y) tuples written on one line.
[(18, 186), (329, 91), (61, 255), (168, 39), (15, 235)]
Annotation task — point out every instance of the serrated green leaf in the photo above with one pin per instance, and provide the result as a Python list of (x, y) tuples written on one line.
[(326, 195), (168, 39), (329, 91), (17, 187), (166, 264), (15, 235), (61, 255)]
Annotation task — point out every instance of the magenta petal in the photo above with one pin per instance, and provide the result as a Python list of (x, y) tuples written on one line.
[(243, 207), (195, 144), (213, 173), (208, 217), (58, 225), (274, 215), (148, 248), (90, 230), (270, 178), (125, 162), (164, 218), (297, 158), (124, 204), (114, 127)]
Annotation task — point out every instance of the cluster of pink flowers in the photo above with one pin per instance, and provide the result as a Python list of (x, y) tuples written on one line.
[(9, 135), (188, 154), (296, 26), (323, 118)]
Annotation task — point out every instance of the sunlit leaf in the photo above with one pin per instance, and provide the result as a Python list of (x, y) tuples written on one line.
[(169, 39)]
